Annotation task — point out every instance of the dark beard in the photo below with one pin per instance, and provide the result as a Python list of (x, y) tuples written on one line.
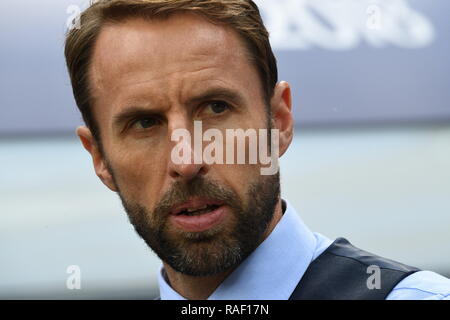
[(218, 249)]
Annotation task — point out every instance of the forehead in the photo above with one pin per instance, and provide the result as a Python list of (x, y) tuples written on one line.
[(162, 53)]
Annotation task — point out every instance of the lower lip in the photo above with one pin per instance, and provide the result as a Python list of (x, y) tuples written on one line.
[(199, 223)]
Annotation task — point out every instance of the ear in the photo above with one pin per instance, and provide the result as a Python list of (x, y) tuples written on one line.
[(281, 106), (101, 169)]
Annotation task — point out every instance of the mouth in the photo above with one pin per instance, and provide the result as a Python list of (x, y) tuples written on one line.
[(198, 211), (195, 207), (198, 214)]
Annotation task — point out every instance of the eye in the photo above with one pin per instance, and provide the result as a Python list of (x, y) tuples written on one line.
[(218, 107), (145, 123)]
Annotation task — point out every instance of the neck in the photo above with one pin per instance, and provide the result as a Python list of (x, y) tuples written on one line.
[(200, 288)]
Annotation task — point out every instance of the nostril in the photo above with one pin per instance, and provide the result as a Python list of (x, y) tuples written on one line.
[(174, 174), (187, 171), (202, 170)]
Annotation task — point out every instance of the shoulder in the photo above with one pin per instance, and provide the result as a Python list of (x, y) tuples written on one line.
[(422, 285)]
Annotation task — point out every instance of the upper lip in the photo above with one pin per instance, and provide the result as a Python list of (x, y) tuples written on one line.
[(194, 204)]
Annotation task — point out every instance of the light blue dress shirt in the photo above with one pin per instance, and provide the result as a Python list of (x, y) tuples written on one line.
[(275, 268)]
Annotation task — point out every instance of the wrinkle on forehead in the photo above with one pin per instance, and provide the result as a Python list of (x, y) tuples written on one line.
[(162, 64), (120, 47)]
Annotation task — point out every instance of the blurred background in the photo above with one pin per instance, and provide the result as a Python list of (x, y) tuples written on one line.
[(370, 160)]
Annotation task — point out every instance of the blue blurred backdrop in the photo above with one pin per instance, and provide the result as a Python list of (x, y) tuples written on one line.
[(370, 160)]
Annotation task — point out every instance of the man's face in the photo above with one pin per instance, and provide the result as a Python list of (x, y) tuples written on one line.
[(148, 80)]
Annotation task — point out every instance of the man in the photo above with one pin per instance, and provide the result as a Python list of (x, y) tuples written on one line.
[(144, 71)]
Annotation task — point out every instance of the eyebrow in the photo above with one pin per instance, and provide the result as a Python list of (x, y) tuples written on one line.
[(209, 95), (218, 93), (133, 112)]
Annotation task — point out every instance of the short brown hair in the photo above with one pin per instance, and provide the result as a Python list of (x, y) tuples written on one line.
[(241, 15)]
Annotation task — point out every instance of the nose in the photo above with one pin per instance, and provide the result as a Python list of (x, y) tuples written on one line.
[(187, 171), (186, 161)]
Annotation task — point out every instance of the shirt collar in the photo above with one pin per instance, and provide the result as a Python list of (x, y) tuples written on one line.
[(271, 271)]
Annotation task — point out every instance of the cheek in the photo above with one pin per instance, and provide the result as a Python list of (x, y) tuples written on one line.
[(138, 174), (238, 178)]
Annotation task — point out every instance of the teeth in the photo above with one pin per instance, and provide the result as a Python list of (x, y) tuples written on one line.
[(201, 208)]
